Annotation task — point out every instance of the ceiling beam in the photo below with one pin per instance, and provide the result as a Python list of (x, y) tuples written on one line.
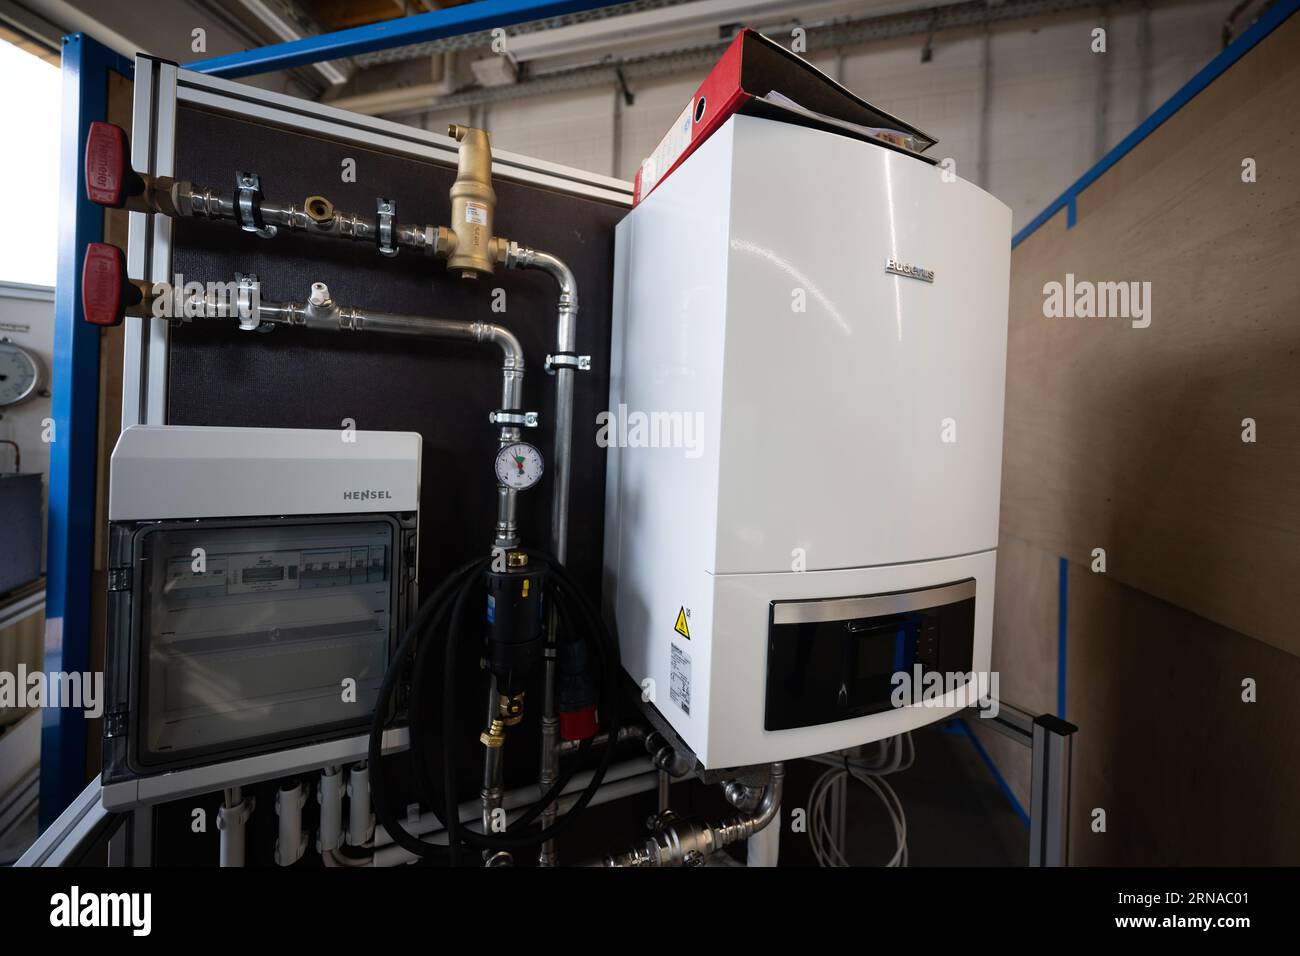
[(437, 24)]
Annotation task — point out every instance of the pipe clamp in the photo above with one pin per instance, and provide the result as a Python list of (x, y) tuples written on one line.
[(386, 211), (510, 416), (579, 363), (248, 199)]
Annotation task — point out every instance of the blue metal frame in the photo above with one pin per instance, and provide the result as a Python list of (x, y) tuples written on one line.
[(1239, 47), (74, 407), (437, 25)]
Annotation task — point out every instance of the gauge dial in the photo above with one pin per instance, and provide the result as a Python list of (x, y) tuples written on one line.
[(20, 374), (519, 466)]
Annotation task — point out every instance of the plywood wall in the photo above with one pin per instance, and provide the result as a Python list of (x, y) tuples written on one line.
[(1131, 440)]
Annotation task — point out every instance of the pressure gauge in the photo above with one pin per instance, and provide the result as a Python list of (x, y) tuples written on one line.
[(20, 374), (519, 466)]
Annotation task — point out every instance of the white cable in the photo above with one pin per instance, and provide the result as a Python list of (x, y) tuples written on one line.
[(823, 844), (896, 755)]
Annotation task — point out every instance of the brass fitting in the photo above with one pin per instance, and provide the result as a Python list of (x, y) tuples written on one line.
[(444, 242), (516, 559), (494, 738), (162, 191), (319, 209), (511, 709), (158, 195), (473, 205), (149, 293)]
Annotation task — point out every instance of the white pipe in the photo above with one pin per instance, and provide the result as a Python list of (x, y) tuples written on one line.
[(329, 794), (292, 842), (231, 817), (361, 822)]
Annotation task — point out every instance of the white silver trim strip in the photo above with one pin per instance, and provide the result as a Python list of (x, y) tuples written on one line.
[(827, 610)]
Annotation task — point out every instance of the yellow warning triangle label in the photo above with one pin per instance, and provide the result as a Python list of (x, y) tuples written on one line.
[(680, 627)]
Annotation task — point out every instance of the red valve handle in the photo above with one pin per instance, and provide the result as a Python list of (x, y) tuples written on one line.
[(110, 180), (578, 724), (106, 292)]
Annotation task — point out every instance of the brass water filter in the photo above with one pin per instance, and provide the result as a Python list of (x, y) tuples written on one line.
[(473, 203)]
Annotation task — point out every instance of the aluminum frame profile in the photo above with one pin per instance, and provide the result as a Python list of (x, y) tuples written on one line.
[(1050, 741), (149, 243), (60, 840), (321, 119), (1049, 820)]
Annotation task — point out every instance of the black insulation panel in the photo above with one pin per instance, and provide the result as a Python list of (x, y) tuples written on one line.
[(294, 378)]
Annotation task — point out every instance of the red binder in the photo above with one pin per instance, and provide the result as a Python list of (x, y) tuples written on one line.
[(758, 77)]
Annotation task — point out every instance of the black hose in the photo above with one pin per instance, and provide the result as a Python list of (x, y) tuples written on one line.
[(452, 596), (428, 611), (567, 594)]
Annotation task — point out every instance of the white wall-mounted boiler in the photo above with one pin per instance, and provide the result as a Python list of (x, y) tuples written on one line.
[(805, 434)]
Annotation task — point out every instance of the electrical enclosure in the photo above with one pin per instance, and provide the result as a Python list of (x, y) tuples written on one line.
[(260, 579)]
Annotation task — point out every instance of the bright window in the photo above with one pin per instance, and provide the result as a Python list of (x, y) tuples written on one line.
[(29, 167)]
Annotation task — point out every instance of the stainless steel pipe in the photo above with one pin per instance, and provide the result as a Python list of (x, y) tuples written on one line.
[(320, 311), (689, 843), (204, 202), (522, 257)]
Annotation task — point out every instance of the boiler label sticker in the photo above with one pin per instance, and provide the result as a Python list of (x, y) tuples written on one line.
[(679, 679), (476, 213)]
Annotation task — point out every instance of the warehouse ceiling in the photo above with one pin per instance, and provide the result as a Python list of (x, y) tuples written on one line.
[(616, 46), (423, 76), (619, 45)]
